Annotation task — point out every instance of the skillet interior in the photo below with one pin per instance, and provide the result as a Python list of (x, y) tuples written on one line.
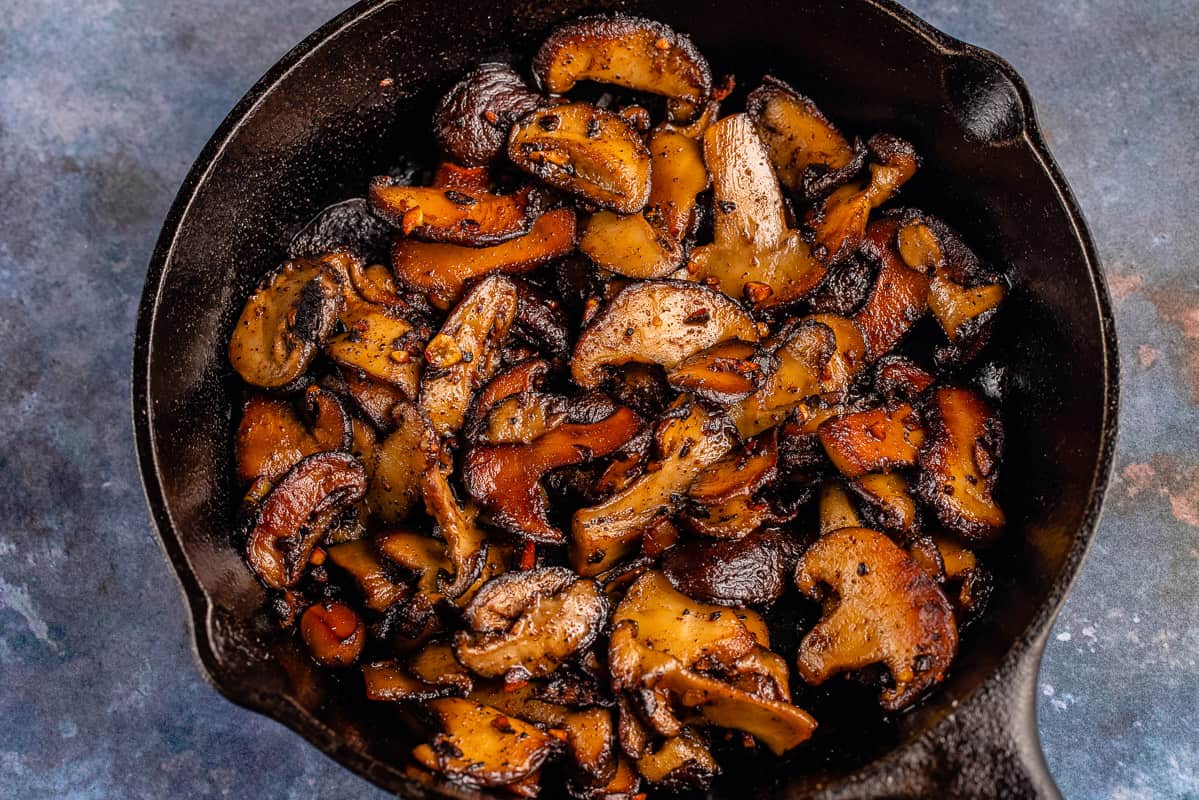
[(320, 125)]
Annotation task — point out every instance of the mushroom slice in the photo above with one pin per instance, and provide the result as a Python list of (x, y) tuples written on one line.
[(472, 120), (380, 345), (809, 154), (347, 226), (876, 440), (481, 747), (725, 501), (389, 681), (625, 784), (465, 354), (688, 440), (442, 270), (726, 372), (524, 378), (899, 378), (541, 322), (753, 254), (681, 763), (958, 463), (528, 623), (520, 419), (650, 244), (373, 399), (586, 151), (818, 355), (362, 562), (886, 609), (657, 322), (466, 542), (837, 509), (506, 478), (400, 463), (839, 223), (900, 295), (290, 521), (284, 323), (471, 218), (633, 52), (753, 570), (888, 498), (272, 438)]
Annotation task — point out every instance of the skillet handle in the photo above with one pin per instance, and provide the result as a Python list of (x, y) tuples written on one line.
[(985, 750)]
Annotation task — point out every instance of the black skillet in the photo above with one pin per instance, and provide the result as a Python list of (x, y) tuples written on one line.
[(324, 120)]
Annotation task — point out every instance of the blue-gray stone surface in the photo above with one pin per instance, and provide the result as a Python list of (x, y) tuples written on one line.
[(103, 106)]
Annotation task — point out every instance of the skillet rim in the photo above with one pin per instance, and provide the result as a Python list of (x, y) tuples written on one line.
[(1026, 649)]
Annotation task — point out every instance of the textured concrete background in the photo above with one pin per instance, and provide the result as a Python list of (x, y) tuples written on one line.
[(103, 106)]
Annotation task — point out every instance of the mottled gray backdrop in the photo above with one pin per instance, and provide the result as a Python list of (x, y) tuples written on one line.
[(103, 106)]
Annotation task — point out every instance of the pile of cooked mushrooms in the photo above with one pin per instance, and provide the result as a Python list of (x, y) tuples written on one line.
[(539, 443)]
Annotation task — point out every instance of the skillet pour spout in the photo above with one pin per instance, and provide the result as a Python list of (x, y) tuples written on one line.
[(341, 107)]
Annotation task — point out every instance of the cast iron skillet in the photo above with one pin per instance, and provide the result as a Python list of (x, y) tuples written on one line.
[(321, 123)]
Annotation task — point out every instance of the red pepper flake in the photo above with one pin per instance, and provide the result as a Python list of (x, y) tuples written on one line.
[(528, 559), (514, 686), (491, 116), (318, 557), (557, 733), (386, 83), (502, 724), (758, 292)]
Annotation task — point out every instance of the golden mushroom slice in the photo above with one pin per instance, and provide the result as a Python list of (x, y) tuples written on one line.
[(883, 608), (361, 561), (809, 154), (526, 624), (680, 763), (466, 352), (875, 440), (657, 322), (650, 244), (474, 218), (889, 498), (690, 438), (959, 461), (726, 372), (724, 501), (284, 323), (272, 437), (399, 465), (586, 151), (837, 509), (754, 254), (481, 747), (465, 541), (633, 52), (899, 297)]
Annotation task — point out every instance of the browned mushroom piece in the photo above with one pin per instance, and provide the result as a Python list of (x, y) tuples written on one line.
[(272, 438), (625, 784), (586, 151), (897, 377), (472, 120), (361, 561), (753, 570), (690, 438), (430, 672), (816, 356), (526, 624), (754, 254), (657, 322), (474, 218), (889, 501), (284, 323), (839, 222), (399, 465), (899, 298), (333, 632), (809, 154), (289, 522), (378, 344), (465, 541), (442, 271), (465, 353), (959, 463), (541, 322), (680, 763), (836, 508), (650, 244), (883, 609), (724, 373), (724, 501), (480, 747), (633, 52), (523, 378), (505, 476), (875, 440)]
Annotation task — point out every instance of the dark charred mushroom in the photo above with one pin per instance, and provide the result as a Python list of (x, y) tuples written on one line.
[(443, 270), (345, 226), (959, 461), (889, 501), (472, 120), (627, 51), (272, 438), (754, 254), (898, 378), (753, 570), (505, 478), (481, 747), (465, 354), (284, 323), (586, 151), (657, 322), (290, 521), (688, 440), (527, 624), (809, 154), (876, 440), (884, 609)]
